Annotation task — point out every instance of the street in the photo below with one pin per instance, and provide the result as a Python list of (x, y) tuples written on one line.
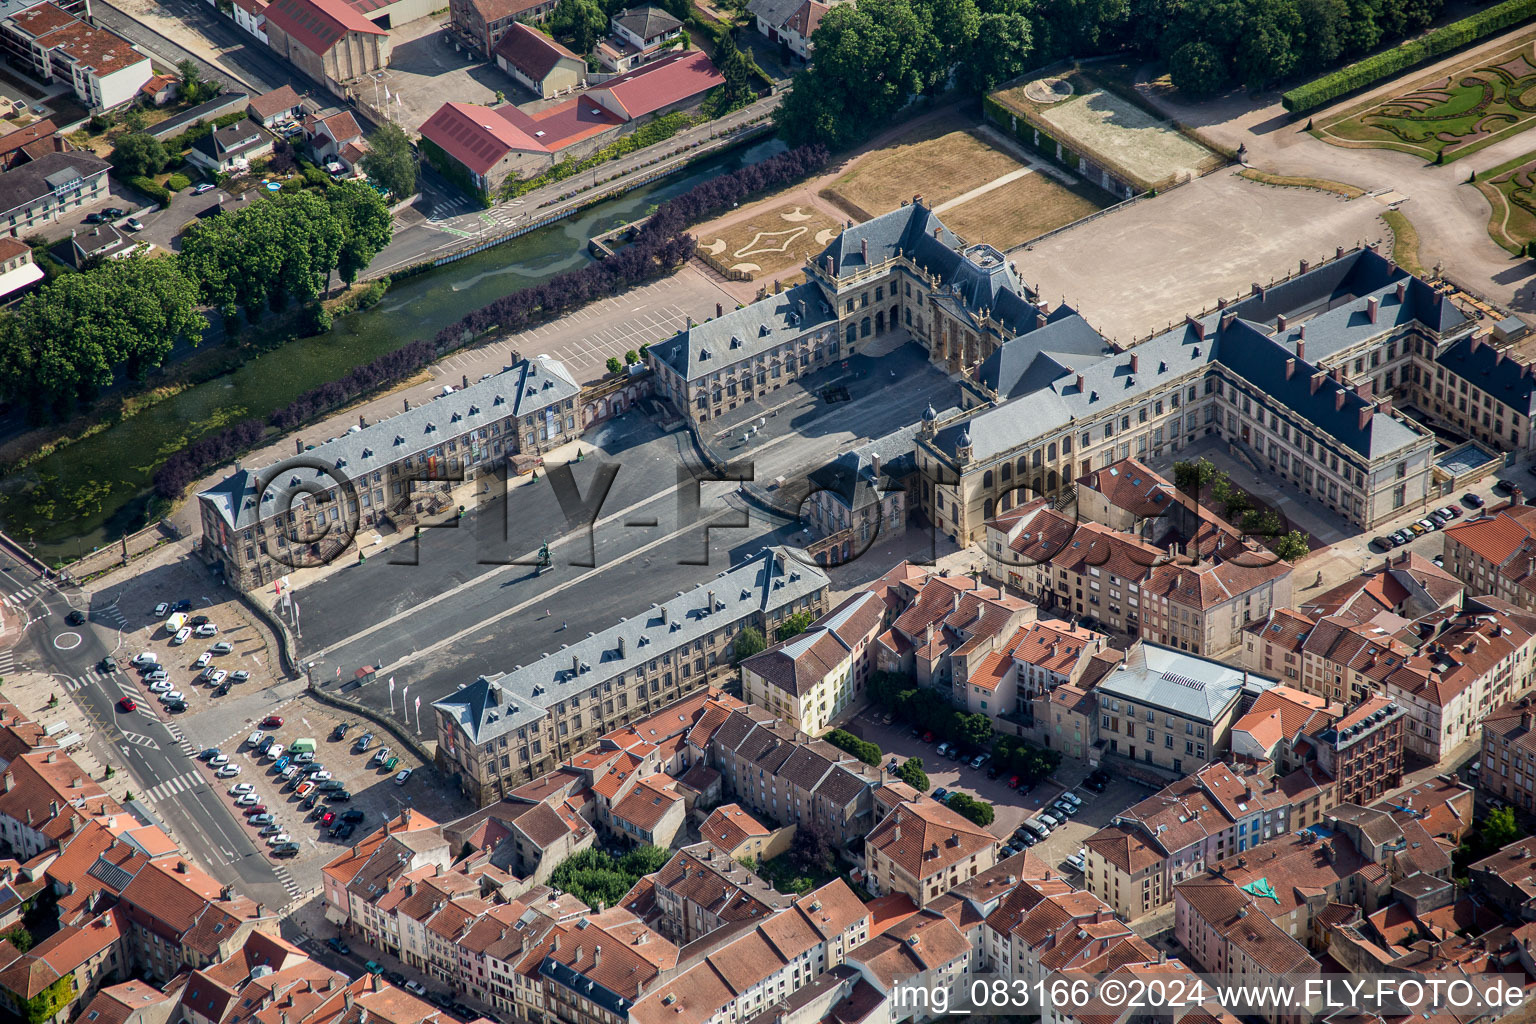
[(460, 610), (153, 750)]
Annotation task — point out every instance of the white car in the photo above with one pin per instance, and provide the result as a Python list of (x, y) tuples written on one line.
[(1075, 862), (229, 771), (241, 788), (246, 800), (217, 677), (162, 686), (219, 760), (402, 777), (290, 771), (182, 636), (207, 629), (279, 839), (276, 752), (147, 658), (202, 660), (320, 776), (255, 737), (173, 695)]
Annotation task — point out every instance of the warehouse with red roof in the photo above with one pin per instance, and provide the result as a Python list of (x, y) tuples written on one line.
[(329, 40)]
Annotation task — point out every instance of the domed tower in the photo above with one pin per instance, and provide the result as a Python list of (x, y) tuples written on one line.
[(963, 446), (930, 417)]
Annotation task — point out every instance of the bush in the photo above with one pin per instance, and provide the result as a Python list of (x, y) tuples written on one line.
[(593, 877), (967, 806), (178, 182), (911, 772), (1197, 68), (159, 193), (1416, 51), (864, 750)]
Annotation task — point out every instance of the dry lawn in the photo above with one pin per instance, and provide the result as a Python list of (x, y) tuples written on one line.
[(774, 239), (935, 162), (1020, 210)]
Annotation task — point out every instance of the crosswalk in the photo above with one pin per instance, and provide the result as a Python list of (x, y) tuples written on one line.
[(90, 676), (7, 662), (27, 593), (173, 787), (450, 207), (283, 875), (113, 615)]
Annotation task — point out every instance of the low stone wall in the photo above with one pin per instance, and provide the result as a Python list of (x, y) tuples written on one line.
[(120, 553), (352, 707)]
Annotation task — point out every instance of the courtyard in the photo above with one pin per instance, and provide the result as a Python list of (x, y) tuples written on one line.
[(429, 67), (1448, 115)]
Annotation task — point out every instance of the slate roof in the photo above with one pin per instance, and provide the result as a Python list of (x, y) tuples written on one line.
[(742, 333), (530, 386), (802, 662), (232, 139), (30, 182), (851, 477), (492, 705), (647, 22), (1173, 680)]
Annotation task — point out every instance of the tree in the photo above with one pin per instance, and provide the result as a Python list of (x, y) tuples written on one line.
[(138, 155), (737, 90), (911, 772), (864, 750), (1198, 68), (793, 626), (18, 936), (748, 642), (1292, 546), (814, 848), (1191, 477), (391, 161), (366, 226), (631, 357), (644, 860), (578, 22), (978, 811), (613, 364), (1002, 49), (1499, 829), (191, 81), (975, 730)]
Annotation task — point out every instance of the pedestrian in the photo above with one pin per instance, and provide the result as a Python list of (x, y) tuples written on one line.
[(562, 624), (546, 613)]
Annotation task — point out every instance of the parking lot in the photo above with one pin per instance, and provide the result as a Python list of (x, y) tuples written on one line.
[(360, 787), (1011, 807)]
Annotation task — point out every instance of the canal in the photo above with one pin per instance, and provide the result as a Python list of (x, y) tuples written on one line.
[(99, 488)]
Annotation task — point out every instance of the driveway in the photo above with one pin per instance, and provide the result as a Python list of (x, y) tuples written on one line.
[(1450, 217), (163, 227)]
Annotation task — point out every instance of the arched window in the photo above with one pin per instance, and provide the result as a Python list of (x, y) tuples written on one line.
[(853, 334), (986, 509), (1054, 480), (1007, 471), (1050, 452), (986, 479), (1034, 459), (1023, 465)]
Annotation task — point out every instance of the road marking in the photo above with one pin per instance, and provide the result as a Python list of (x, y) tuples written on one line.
[(180, 784), (140, 741)]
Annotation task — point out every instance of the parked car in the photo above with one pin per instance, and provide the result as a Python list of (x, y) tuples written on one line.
[(415, 987), (928, 736), (146, 658), (207, 753), (114, 211), (941, 794), (1075, 862), (175, 695), (198, 620), (241, 787), (282, 763), (1013, 782), (305, 757), (402, 777), (379, 757), (339, 796), (96, 218), (330, 785), (286, 850), (182, 636), (202, 660), (340, 732), (1451, 510), (1072, 798), (339, 946), (305, 789), (161, 610), (255, 809), (264, 746), (1503, 486), (219, 760), (222, 689), (309, 801), (1064, 809), (1473, 500), (134, 224), (229, 771), (364, 742), (205, 187), (222, 647), (217, 678), (207, 629), (160, 686), (183, 605), (979, 760), (158, 675), (353, 816), (942, 751), (246, 800), (281, 839), (255, 738), (343, 831), (271, 830), (259, 820), (175, 704)]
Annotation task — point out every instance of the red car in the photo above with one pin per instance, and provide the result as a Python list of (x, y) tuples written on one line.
[(1013, 783), (327, 817), (255, 809), (928, 737), (271, 722), (128, 704)]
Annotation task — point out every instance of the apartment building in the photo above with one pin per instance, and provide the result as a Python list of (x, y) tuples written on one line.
[(503, 730), (102, 68), (784, 777), (757, 971), (1039, 657), (860, 497), (1133, 863), (946, 628), (924, 849), (259, 524), (1476, 388), (1508, 879), (354, 862), (1359, 749), (1495, 553), (1507, 763), (924, 952), (1046, 928), (1171, 709), (702, 889), (740, 836), (1132, 586), (814, 677), (42, 191)]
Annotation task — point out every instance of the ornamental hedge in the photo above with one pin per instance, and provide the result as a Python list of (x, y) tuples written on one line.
[(1382, 65)]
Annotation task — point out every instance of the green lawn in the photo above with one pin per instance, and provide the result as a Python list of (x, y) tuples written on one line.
[(1445, 118)]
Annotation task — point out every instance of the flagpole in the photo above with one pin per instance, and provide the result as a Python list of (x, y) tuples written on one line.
[(391, 694)]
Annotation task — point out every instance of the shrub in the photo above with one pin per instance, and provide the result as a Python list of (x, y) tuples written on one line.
[(1416, 51), (177, 182), (911, 772), (967, 806), (864, 750), (159, 193)]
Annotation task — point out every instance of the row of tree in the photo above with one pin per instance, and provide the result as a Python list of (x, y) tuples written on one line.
[(874, 59), (930, 710), (71, 338), (864, 750)]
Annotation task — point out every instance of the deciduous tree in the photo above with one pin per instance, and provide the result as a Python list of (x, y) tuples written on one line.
[(391, 161)]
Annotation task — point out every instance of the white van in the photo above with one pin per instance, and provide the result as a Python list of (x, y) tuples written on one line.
[(175, 623)]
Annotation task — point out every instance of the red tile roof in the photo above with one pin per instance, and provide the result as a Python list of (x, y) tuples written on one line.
[(661, 84), (531, 51), (318, 25), (480, 137)]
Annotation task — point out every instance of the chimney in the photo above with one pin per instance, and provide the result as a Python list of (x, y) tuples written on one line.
[(1525, 719), (1280, 324), (1366, 412), (597, 951), (1079, 383), (1338, 253), (864, 250), (1317, 380), (1135, 362), (1477, 343), (1305, 266), (75, 782), (709, 603), (575, 663), (362, 421), (1402, 290), (463, 382), (1371, 306), (1290, 368), (1197, 326), (1301, 344), (1040, 320), (621, 647), (874, 464), (663, 615), (1338, 399), (719, 310)]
